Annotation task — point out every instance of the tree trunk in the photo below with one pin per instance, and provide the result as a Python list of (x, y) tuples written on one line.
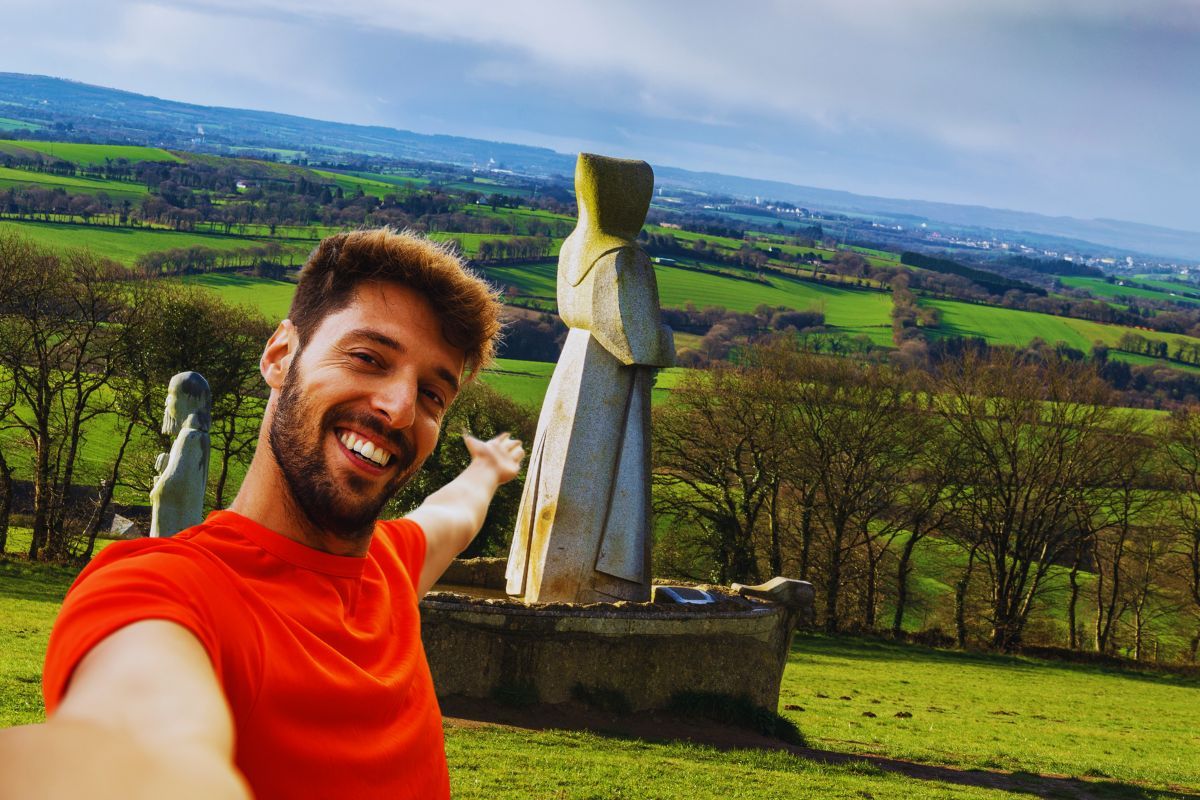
[(902, 574), (106, 493), (1072, 634), (960, 600), (869, 596), (5, 502), (776, 539), (806, 535), (42, 492)]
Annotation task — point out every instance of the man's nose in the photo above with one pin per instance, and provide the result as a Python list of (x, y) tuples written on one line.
[(397, 401)]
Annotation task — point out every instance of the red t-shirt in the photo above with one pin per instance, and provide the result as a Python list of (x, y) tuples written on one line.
[(319, 655)]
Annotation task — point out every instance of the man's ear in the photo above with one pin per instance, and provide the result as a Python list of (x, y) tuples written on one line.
[(277, 355)]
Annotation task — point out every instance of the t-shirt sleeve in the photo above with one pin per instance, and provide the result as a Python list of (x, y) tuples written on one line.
[(408, 540), (113, 593)]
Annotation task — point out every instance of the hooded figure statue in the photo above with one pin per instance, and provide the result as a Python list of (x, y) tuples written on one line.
[(583, 529), (177, 499)]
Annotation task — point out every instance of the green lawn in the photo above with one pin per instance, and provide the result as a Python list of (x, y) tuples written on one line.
[(88, 154), (981, 726), (126, 244), (992, 712), (117, 190)]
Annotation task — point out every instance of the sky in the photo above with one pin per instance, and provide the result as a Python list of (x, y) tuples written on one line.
[(1083, 108)]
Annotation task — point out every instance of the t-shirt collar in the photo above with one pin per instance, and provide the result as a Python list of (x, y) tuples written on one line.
[(289, 550)]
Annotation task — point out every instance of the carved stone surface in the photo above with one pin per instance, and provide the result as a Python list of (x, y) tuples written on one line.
[(177, 499), (583, 530)]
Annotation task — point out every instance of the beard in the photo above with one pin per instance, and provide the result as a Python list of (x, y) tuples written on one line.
[(346, 510)]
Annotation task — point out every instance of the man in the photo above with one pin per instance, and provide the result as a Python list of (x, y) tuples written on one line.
[(274, 650)]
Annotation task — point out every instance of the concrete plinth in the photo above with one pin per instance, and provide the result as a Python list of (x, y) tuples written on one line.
[(633, 656)]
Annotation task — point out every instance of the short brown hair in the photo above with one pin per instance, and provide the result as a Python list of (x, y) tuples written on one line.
[(468, 308)]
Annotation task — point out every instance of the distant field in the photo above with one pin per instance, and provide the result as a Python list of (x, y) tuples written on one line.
[(351, 183), (117, 190), (1147, 361), (7, 124), (468, 243), (1164, 284), (403, 181), (122, 244), (853, 311), (89, 154), (270, 297), (1102, 288), (1011, 326)]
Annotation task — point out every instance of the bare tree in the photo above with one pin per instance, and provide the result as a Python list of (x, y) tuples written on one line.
[(861, 427), (60, 341), (720, 460), (1034, 438)]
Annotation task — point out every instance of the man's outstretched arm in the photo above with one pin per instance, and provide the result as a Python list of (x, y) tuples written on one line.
[(452, 515), (143, 717)]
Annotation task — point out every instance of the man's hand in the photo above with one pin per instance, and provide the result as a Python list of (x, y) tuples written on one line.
[(502, 453), (451, 516)]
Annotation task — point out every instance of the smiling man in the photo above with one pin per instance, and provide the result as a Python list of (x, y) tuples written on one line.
[(274, 650)]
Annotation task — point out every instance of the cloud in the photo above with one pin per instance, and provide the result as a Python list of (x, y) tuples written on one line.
[(1079, 106)]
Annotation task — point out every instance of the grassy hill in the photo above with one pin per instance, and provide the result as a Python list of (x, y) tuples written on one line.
[(880, 719), (86, 154), (126, 244), (1102, 288), (118, 190), (1012, 326)]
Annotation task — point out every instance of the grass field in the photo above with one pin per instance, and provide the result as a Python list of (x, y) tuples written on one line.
[(1011, 326), (351, 183), (9, 124), (851, 311), (1102, 288), (1159, 282), (1147, 361), (88, 154), (981, 726), (117, 190), (126, 244)]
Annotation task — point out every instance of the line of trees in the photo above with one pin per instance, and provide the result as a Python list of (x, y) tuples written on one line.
[(86, 351), (1031, 487)]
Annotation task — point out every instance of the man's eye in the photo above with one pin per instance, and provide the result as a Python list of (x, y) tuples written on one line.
[(435, 397), (365, 358)]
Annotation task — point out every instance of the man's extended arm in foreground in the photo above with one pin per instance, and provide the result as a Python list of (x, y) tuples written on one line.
[(451, 516), (144, 717)]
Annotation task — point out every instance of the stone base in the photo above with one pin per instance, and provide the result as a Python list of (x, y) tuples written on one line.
[(624, 656)]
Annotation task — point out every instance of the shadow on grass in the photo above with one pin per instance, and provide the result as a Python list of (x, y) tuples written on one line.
[(863, 648), (45, 583), (666, 728)]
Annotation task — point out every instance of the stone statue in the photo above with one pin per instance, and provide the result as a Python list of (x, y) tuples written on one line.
[(177, 499), (583, 530)]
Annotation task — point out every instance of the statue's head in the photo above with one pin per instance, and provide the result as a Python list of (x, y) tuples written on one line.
[(188, 395), (613, 193)]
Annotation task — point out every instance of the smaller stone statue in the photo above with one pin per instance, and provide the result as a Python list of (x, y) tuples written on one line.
[(177, 499)]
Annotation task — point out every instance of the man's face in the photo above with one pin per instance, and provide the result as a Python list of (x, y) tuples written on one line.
[(361, 407)]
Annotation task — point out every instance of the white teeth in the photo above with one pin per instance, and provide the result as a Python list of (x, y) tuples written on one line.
[(366, 449)]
